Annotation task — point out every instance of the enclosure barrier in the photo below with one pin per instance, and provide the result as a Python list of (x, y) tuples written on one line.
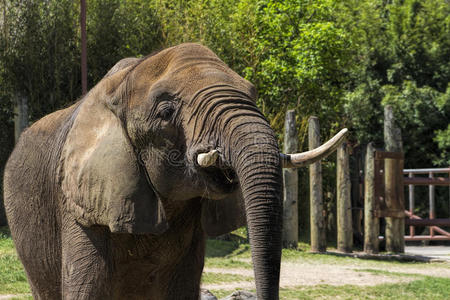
[(383, 186), (383, 194), (377, 191), (432, 222)]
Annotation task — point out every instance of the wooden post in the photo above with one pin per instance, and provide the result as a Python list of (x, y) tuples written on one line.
[(344, 206), (20, 115), (290, 180), (395, 227), (371, 223), (318, 234)]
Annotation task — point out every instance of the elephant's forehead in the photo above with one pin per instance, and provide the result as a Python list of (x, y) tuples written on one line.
[(185, 69), (198, 73)]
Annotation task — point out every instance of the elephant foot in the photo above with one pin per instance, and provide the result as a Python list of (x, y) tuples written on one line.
[(241, 295), (238, 295), (206, 295)]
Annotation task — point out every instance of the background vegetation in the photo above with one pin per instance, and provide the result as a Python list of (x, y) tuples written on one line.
[(339, 60)]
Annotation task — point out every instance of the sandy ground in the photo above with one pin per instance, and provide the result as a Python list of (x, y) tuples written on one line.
[(355, 272)]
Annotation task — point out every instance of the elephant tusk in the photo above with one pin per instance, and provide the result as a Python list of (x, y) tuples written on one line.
[(207, 159), (306, 158)]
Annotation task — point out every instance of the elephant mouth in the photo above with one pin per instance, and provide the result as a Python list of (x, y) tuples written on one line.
[(222, 180)]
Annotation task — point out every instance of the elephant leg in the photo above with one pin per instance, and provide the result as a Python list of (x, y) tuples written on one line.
[(86, 263), (184, 282)]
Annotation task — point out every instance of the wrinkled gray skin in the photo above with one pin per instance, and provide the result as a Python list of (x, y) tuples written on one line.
[(105, 199)]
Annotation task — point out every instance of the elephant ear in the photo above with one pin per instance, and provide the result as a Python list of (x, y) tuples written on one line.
[(223, 216), (102, 180)]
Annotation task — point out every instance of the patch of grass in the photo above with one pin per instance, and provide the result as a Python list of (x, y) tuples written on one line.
[(218, 248), (230, 254), (426, 288), (7, 246), (241, 232), (227, 254), (218, 262), (433, 288), (388, 273), (12, 274), (23, 297), (212, 278)]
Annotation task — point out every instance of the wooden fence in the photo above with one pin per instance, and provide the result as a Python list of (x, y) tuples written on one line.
[(383, 187), (317, 216)]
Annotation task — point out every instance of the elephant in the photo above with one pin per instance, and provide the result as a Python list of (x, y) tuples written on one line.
[(113, 197)]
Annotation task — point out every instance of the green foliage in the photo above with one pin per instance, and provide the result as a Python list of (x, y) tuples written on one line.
[(292, 51), (118, 29), (420, 43), (402, 58), (443, 140), (327, 58), (40, 53), (418, 111), (40, 49), (298, 57)]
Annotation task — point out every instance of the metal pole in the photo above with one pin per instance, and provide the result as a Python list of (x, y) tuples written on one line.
[(411, 203), (431, 200), (83, 48)]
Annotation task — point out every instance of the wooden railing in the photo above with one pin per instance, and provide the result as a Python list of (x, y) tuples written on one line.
[(432, 221)]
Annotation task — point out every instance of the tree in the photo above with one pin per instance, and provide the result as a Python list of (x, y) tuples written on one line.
[(401, 57)]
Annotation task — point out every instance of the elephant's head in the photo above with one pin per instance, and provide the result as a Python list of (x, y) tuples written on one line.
[(175, 126)]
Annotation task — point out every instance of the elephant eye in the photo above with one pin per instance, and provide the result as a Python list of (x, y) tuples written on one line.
[(166, 112)]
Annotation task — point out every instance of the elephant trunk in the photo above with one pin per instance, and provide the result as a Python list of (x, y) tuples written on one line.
[(255, 159)]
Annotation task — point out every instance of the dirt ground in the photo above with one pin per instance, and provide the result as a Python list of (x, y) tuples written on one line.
[(351, 272)]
